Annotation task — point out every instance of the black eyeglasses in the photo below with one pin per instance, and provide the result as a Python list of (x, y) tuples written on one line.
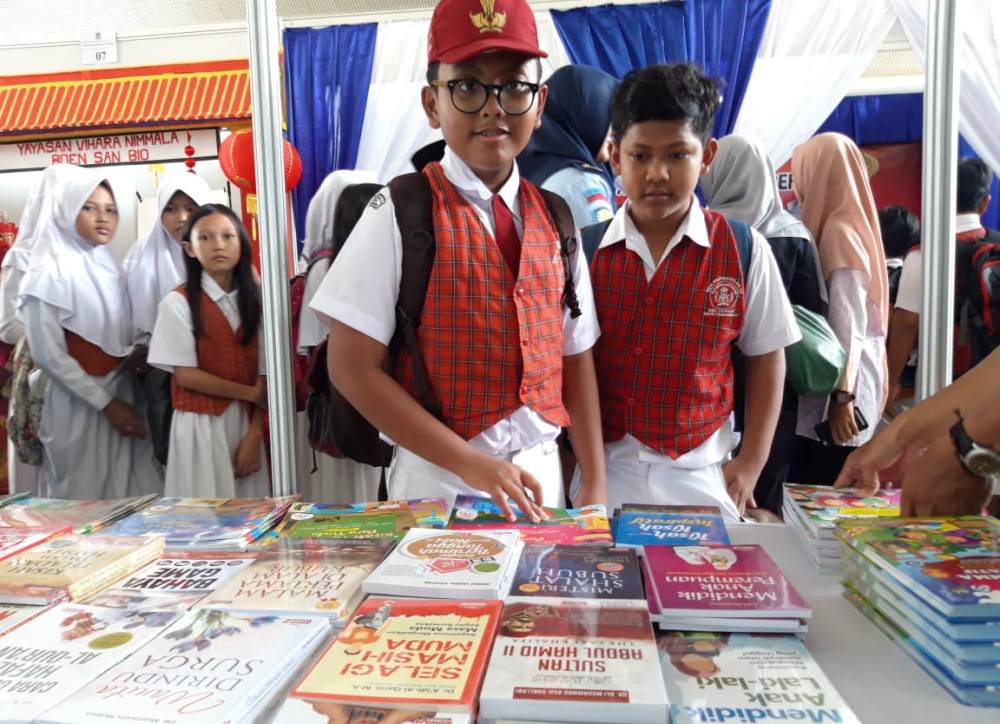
[(470, 96)]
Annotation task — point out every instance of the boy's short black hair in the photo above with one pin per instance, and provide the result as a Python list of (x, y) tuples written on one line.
[(900, 230), (433, 69), (670, 92), (974, 181)]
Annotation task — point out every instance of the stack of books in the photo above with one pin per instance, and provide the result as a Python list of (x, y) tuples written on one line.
[(564, 525), (719, 588), (748, 677), (424, 657), (82, 516), (933, 586), (388, 519), (206, 523), (812, 512), (304, 577), (637, 525), (448, 564)]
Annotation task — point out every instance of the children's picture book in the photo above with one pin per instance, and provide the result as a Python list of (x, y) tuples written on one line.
[(206, 522), (564, 525), (420, 655), (820, 506), (300, 711), (578, 571), (670, 525), (17, 540), (83, 516), (388, 519), (448, 564), (578, 661), (50, 657), (952, 563), (73, 567), (306, 577), (210, 667), (750, 677), (736, 581)]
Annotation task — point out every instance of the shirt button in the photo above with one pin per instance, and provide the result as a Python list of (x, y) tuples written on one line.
[(649, 300), (524, 343), (638, 350), (524, 390), (631, 401), (520, 291)]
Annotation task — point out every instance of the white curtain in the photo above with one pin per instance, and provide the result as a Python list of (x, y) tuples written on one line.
[(395, 125), (812, 52), (978, 59)]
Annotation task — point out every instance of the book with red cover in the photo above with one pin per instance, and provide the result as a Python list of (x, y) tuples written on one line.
[(721, 581), (17, 540), (409, 654)]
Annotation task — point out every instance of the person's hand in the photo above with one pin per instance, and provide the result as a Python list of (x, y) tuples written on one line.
[(843, 427), (741, 478), (258, 396), (860, 470), (125, 419), (136, 362), (246, 460), (936, 483), (503, 481)]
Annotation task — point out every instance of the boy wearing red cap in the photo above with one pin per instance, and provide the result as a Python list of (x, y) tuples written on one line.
[(508, 363)]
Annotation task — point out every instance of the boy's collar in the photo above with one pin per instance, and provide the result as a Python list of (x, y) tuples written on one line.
[(623, 228), (459, 173)]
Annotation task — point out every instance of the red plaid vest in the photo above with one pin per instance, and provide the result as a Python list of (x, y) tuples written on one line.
[(664, 364), (491, 343), (219, 352)]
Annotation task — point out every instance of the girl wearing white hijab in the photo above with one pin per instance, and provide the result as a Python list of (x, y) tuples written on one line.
[(76, 319)]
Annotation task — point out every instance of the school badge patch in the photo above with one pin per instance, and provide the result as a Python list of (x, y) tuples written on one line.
[(723, 294), (488, 21)]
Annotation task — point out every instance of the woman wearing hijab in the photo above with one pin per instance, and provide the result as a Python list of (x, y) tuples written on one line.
[(831, 182), (742, 185), (569, 152), (75, 311)]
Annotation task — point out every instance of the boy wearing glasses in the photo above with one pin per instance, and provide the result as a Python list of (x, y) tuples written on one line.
[(507, 362)]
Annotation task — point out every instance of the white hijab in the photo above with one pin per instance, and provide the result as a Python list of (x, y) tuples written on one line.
[(742, 185), (81, 280), (319, 217), (154, 267)]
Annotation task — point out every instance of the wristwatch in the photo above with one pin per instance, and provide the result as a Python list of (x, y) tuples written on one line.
[(979, 460), (841, 397)]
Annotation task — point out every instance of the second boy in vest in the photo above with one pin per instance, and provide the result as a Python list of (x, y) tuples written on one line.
[(506, 361), (672, 301)]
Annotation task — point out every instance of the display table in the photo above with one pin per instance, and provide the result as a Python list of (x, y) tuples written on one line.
[(877, 680)]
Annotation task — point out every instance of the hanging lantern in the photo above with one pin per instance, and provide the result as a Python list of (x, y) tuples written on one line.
[(236, 157), (189, 152)]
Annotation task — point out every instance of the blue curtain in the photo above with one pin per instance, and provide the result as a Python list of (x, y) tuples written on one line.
[(896, 119), (328, 71), (722, 36)]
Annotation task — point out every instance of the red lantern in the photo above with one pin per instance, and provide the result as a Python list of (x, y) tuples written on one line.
[(236, 157)]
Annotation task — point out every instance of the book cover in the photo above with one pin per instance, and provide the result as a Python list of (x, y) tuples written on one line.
[(674, 525), (73, 567), (574, 660), (713, 677), (588, 571), (821, 506), (564, 525), (721, 581), (387, 519), (12, 498), (83, 516), (300, 711), (14, 541), (448, 564), (953, 562), (407, 654), (210, 667), (13, 615), (306, 577), (67, 646)]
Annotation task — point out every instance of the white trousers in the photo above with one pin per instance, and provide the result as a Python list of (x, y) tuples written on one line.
[(413, 477)]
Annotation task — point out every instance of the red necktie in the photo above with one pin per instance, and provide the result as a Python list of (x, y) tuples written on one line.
[(505, 234)]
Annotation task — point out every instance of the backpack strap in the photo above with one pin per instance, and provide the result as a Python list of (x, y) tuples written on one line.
[(561, 214), (744, 245), (414, 204), (592, 236)]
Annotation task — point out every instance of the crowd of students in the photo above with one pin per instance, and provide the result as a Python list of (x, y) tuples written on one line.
[(636, 353)]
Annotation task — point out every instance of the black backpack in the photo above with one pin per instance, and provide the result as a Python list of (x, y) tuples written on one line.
[(977, 298), (334, 425)]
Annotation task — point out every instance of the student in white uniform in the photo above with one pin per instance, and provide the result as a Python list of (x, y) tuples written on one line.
[(333, 212), (208, 335), (74, 308)]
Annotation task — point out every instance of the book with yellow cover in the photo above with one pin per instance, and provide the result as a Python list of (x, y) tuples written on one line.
[(407, 654), (73, 567)]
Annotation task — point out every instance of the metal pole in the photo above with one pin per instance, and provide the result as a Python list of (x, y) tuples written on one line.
[(940, 159), (265, 96)]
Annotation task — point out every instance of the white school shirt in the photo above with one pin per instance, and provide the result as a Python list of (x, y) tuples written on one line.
[(173, 343), (768, 324), (362, 287), (910, 295)]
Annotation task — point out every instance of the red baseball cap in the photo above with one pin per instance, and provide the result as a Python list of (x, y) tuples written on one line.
[(462, 29)]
